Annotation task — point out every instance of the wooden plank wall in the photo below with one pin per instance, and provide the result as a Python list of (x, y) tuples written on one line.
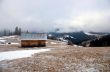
[(33, 43)]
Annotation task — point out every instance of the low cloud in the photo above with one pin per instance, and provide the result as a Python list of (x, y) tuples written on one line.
[(68, 16), (90, 21)]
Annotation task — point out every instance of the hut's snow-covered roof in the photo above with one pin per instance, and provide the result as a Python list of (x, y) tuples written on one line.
[(33, 36)]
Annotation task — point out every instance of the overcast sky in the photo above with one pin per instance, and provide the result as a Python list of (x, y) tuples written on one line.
[(46, 15)]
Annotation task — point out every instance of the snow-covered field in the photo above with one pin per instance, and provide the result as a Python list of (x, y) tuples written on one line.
[(2, 40), (5, 40), (10, 55)]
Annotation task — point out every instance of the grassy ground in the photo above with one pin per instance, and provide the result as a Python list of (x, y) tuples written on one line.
[(62, 58)]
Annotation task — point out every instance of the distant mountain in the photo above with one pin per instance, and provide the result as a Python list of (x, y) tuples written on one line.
[(73, 37), (82, 38), (98, 42)]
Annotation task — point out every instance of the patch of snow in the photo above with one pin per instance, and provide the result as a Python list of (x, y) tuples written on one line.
[(92, 70), (5, 37), (53, 43), (1, 38), (75, 45), (10, 55), (12, 36), (49, 35), (66, 36), (72, 37), (80, 46), (69, 36), (14, 43), (82, 67), (65, 40), (2, 42), (87, 33), (63, 43)]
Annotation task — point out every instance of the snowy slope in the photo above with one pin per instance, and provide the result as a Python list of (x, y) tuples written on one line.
[(10, 55)]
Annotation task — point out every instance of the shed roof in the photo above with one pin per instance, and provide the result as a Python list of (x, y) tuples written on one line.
[(33, 36)]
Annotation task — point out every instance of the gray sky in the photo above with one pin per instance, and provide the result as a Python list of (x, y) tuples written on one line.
[(46, 15)]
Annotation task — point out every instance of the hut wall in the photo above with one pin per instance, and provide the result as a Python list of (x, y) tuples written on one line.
[(33, 43)]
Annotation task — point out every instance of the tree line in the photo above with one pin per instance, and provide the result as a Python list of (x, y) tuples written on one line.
[(7, 32)]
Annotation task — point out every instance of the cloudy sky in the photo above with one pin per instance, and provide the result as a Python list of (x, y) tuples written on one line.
[(46, 15)]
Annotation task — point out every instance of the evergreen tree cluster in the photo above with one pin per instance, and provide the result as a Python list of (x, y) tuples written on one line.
[(17, 31), (7, 32)]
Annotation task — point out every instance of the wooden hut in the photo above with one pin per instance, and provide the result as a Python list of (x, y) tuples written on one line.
[(33, 39)]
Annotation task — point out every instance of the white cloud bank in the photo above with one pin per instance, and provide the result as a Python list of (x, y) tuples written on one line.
[(88, 21), (46, 15)]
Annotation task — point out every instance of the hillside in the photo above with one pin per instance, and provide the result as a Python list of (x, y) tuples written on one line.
[(102, 41), (60, 58), (74, 37)]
